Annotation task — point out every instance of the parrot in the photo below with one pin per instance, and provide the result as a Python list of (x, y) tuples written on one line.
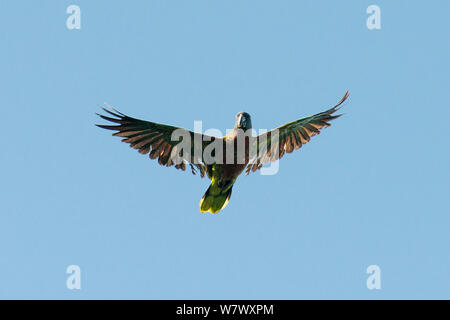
[(158, 141)]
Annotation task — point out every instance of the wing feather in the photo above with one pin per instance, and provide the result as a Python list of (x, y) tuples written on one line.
[(291, 136), (155, 139)]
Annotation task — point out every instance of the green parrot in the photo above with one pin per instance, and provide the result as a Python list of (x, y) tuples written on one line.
[(158, 141)]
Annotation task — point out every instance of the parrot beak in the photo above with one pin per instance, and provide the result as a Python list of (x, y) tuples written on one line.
[(243, 122)]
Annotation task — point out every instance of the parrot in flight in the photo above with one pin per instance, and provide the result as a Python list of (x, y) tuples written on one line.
[(157, 140)]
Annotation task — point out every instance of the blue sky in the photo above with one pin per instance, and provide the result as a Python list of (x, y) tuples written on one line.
[(373, 189)]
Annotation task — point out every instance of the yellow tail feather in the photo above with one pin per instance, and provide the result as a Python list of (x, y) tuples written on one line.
[(215, 199)]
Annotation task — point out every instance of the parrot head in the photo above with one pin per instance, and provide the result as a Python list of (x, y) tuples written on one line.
[(243, 121)]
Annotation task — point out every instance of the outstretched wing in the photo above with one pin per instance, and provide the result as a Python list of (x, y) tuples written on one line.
[(289, 137), (157, 140)]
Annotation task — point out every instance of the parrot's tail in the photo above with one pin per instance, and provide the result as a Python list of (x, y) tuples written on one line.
[(215, 198)]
